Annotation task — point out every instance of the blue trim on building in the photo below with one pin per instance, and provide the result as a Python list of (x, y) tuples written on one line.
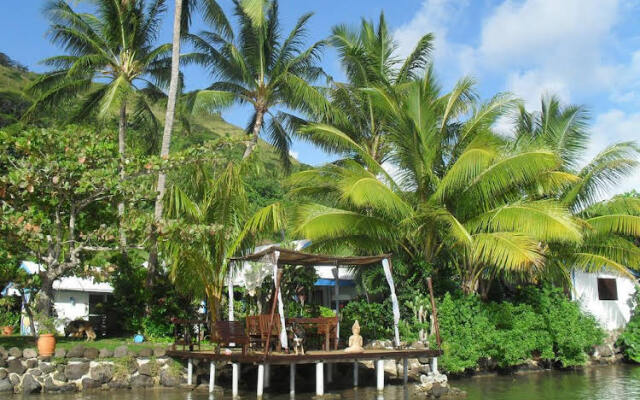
[(332, 282)]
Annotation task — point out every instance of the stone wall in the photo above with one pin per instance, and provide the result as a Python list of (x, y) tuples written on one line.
[(80, 368)]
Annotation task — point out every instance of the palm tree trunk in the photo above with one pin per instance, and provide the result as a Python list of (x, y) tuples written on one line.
[(122, 131), (256, 133), (166, 142)]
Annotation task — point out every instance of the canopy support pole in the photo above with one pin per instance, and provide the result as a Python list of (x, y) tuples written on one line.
[(387, 266), (336, 275)]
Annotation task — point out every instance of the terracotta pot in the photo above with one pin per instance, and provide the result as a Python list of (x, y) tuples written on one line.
[(46, 344), (7, 330)]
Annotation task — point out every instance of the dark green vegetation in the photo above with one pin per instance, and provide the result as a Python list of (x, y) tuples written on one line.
[(497, 221)]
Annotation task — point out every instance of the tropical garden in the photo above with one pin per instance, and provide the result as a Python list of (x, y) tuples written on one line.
[(111, 169)]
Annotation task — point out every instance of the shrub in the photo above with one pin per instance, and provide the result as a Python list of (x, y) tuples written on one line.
[(376, 319), (629, 339)]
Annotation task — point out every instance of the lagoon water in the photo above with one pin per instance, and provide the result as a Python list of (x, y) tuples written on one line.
[(599, 383)]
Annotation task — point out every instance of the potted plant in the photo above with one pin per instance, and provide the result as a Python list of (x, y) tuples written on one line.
[(8, 322), (46, 335)]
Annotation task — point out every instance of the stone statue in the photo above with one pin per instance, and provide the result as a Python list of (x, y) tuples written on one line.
[(355, 340)]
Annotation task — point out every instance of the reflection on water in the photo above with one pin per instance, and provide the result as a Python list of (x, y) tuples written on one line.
[(603, 383)]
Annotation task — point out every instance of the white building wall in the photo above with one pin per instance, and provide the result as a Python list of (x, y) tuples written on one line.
[(612, 314), (71, 305)]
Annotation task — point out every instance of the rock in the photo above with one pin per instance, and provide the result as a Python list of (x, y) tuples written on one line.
[(60, 353), (76, 370), (91, 353), (455, 393), (390, 368), (59, 376), (3, 373), (148, 369), (32, 363), (88, 383), (424, 360), (29, 353), (16, 366), (439, 390), (604, 350), (159, 352), (120, 351), (46, 368), (15, 352), (141, 381), (5, 385), (119, 384), (105, 353), (3, 363), (145, 352), (76, 352), (101, 373), (418, 345), (15, 379), (34, 372), (30, 384), (169, 378), (52, 387)]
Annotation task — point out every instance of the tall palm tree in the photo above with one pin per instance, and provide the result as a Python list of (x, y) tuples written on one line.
[(610, 226), (457, 196), (369, 57), (257, 66), (110, 57)]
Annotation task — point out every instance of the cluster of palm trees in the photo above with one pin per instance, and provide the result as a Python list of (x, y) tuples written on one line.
[(422, 170)]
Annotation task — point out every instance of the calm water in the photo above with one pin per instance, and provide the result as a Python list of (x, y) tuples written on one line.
[(604, 383)]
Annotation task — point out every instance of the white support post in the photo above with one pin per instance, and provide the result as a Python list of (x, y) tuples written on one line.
[(260, 389), (386, 266), (292, 380), (380, 375), (405, 371), (434, 364), (235, 376), (189, 372), (267, 375), (355, 373), (319, 379), (212, 376), (336, 274)]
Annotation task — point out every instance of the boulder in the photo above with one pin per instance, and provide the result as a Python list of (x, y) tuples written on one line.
[(3, 363), (3, 373), (145, 352), (119, 384), (60, 353), (76, 352), (76, 370), (51, 386), (3, 353), (169, 378), (390, 368), (29, 353), (59, 376), (91, 353), (141, 381), (148, 369), (418, 345), (101, 373), (31, 363), (438, 390), (46, 368), (120, 351), (30, 384), (105, 353), (16, 366), (15, 352), (159, 352), (34, 372), (5, 385), (88, 383), (604, 350)]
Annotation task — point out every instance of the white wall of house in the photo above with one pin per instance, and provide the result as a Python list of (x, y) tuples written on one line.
[(612, 314), (71, 305)]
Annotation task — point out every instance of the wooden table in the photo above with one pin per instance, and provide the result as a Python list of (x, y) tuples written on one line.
[(326, 326)]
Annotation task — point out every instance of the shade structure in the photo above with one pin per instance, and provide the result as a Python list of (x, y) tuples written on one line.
[(293, 257)]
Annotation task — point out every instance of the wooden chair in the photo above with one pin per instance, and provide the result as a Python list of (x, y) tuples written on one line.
[(253, 330), (227, 332), (263, 321)]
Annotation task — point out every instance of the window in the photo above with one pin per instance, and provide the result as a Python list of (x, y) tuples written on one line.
[(607, 289)]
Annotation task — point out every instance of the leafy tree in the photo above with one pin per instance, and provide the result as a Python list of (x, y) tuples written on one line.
[(259, 67), (109, 56)]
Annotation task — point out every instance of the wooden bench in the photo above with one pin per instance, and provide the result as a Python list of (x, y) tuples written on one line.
[(227, 332), (258, 328)]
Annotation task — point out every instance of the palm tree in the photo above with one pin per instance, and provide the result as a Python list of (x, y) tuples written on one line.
[(369, 57), (257, 66), (109, 56), (609, 225), (457, 197)]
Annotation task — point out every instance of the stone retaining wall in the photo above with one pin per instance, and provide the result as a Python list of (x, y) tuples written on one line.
[(22, 371)]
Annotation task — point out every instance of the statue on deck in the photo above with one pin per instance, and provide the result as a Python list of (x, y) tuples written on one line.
[(355, 340)]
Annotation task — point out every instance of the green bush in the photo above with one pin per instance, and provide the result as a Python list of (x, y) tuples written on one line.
[(540, 323), (376, 319), (629, 339)]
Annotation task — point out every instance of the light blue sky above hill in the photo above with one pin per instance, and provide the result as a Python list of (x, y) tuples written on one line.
[(585, 51)]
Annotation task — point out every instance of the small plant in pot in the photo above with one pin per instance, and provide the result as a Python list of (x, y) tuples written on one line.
[(46, 335), (8, 322)]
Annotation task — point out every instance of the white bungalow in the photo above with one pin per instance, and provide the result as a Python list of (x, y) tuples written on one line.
[(606, 296)]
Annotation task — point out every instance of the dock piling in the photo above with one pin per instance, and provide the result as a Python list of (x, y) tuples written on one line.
[(212, 376), (319, 379), (380, 374), (267, 375), (189, 371), (355, 373), (292, 380), (235, 376), (405, 371), (434, 364), (260, 388)]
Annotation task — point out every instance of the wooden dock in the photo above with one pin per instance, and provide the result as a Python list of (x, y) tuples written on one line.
[(319, 358)]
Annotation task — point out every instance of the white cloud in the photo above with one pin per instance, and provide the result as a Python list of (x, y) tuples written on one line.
[(530, 85), (294, 154)]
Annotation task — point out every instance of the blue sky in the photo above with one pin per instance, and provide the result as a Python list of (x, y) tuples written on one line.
[(585, 51)]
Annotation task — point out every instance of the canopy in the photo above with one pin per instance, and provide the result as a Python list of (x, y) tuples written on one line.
[(293, 257)]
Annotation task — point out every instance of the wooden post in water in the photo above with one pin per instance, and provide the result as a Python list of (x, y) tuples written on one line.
[(212, 376), (355, 373), (260, 386), (292, 380), (380, 374), (189, 371), (319, 379), (235, 376)]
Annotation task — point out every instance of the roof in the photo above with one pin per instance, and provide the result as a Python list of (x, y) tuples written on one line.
[(73, 283), (293, 257)]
